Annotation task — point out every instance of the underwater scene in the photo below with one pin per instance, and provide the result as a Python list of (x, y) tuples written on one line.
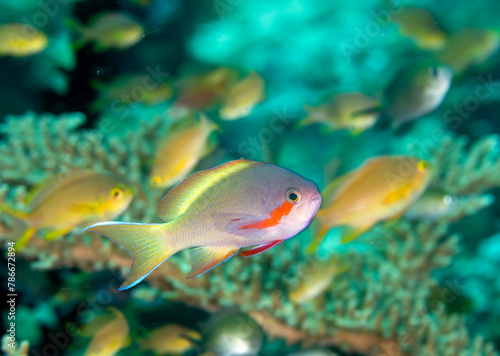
[(250, 177)]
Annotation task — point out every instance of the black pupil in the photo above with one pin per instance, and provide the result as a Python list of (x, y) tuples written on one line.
[(117, 193), (293, 196)]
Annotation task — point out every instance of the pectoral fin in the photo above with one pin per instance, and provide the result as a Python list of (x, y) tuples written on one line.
[(238, 225), (206, 257), (259, 249)]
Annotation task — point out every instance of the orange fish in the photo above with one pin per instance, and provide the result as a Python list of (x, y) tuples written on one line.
[(219, 211), (382, 188)]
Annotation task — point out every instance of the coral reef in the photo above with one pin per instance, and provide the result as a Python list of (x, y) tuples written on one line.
[(380, 306)]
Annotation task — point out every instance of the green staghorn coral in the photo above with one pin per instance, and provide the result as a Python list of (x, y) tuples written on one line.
[(380, 306)]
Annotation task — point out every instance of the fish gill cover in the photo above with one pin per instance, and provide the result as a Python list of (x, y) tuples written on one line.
[(388, 108)]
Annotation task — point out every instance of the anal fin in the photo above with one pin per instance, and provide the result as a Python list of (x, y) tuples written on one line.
[(56, 233), (259, 249), (350, 233), (207, 257)]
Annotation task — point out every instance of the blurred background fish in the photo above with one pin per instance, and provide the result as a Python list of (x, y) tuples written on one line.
[(171, 339), (108, 30), (354, 111), (111, 337), (21, 40), (233, 334), (419, 25), (317, 279), (129, 89), (467, 47), (432, 205), (179, 152), (242, 97), (416, 91)]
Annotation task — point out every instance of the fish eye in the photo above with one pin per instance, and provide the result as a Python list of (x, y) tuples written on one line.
[(435, 71), (116, 192), (293, 196)]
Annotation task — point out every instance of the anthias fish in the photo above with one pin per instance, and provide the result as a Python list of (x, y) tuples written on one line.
[(353, 111), (171, 339), (180, 151), (60, 204), (21, 40), (111, 337), (219, 211), (382, 188), (242, 97), (421, 27), (416, 91), (109, 30)]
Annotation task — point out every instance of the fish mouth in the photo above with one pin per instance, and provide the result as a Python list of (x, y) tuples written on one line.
[(315, 202), (316, 199)]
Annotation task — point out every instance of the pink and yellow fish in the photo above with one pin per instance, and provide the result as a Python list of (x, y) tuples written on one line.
[(382, 188), (62, 203), (219, 211)]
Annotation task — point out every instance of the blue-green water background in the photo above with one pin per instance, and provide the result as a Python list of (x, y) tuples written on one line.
[(304, 50)]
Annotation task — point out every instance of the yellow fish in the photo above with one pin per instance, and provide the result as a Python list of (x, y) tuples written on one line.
[(318, 280), (219, 211), (467, 47), (180, 151), (352, 111), (202, 91), (432, 205), (242, 97), (382, 188), (21, 40), (131, 88), (111, 337), (171, 339), (418, 25), (64, 202), (109, 30)]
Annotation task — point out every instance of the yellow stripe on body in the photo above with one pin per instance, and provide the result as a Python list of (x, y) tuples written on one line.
[(180, 198)]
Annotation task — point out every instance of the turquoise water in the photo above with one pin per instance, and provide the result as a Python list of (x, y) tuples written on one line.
[(105, 107)]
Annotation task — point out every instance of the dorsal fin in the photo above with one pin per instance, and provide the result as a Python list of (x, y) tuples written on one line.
[(180, 197), (41, 191)]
